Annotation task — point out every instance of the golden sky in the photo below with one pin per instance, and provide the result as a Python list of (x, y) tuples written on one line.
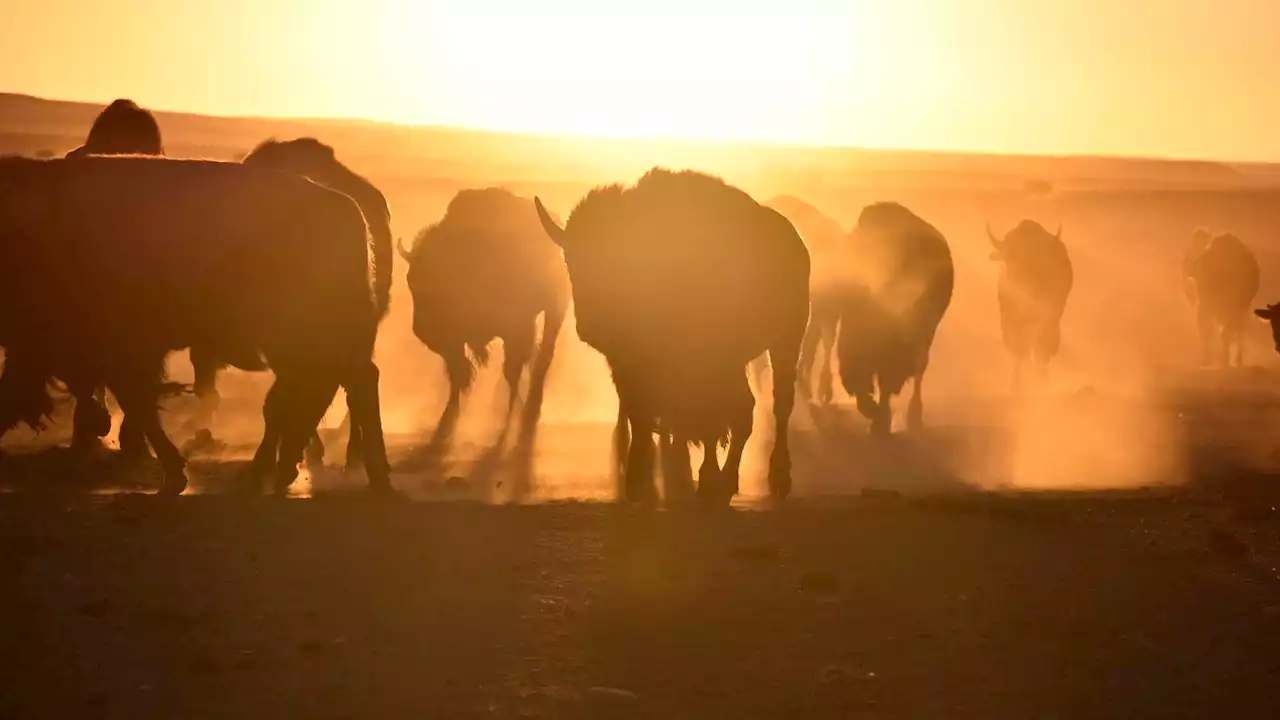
[(1190, 78)]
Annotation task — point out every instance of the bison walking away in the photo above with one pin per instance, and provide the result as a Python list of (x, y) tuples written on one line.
[(486, 271), (901, 279), (1032, 291), (824, 238), (1224, 282), (317, 162), (121, 128), (167, 254), (680, 281)]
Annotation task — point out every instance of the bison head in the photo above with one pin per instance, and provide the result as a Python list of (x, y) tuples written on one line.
[(1008, 252), (1271, 315)]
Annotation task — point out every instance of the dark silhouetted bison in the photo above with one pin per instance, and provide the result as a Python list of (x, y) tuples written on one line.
[(1225, 277), (1032, 291), (316, 161), (486, 271), (121, 128), (900, 282), (151, 255), (680, 281), (824, 238)]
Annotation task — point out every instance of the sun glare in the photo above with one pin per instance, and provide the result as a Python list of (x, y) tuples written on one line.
[(663, 68)]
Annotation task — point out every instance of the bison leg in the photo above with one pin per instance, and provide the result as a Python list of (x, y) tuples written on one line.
[(91, 421), (1206, 328), (205, 368), (915, 410), (808, 357), (638, 477), (302, 406), (517, 349), (783, 358), (677, 470), (826, 383), (459, 370), (621, 445), (133, 438), (1232, 347), (355, 440), (740, 427), (274, 408), (755, 371), (366, 414), (710, 481), (552, 323), (139, 398)]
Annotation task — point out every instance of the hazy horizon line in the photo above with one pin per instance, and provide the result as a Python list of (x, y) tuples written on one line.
[(747, 142)]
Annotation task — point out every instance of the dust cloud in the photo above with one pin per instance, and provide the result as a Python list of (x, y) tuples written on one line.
[(1125, 404)]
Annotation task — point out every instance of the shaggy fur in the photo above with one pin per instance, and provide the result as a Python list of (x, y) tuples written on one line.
[(316, 161), (166, 254), (824, 238), (902, 278), (1226, 281), (1032, 291), (486, 271), (680, 281)]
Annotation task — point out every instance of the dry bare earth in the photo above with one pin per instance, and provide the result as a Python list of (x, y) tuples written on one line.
[(1144, 604), (132, 607)]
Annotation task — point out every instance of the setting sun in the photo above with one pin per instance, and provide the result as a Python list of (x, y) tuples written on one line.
[(1187, 79)]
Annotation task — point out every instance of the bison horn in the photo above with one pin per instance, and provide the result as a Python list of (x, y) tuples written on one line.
[(554, 231), (401, 249), (1059, 233)]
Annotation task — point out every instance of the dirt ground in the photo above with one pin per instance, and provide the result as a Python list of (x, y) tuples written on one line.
[(891, 599), (1137, 606)]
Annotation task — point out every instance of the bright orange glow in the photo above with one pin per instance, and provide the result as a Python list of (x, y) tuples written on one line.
[(1173, 77)]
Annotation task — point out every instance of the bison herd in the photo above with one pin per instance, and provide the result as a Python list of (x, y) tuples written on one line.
[(115, 256)]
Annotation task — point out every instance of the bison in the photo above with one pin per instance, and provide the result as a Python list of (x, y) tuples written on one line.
[(1224, 281), (1032, 291), (316, 161), (121, 128), (484, 271), (679, 282), (824, 238), (154, 255), (900, 280)]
